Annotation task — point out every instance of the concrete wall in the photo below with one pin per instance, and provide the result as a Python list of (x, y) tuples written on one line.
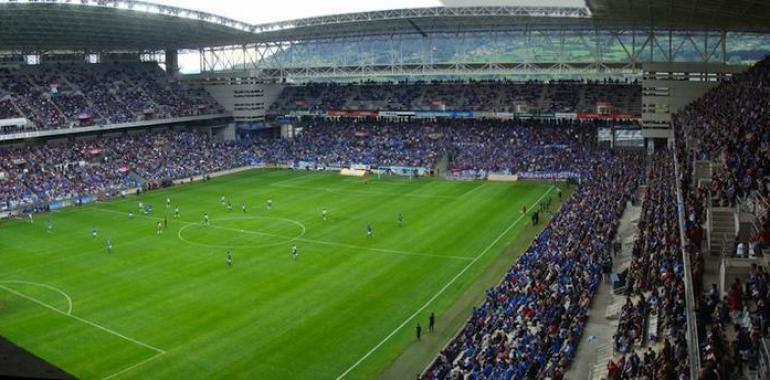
[(669, 87), (246, 96), (227, 133)]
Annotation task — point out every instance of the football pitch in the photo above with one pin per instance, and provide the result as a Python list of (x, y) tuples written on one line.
[(168, 305)]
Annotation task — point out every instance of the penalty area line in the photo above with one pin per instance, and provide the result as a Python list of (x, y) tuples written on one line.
[(75, 317), (382, 250), (443, 289), (141, 363), (49, 287)]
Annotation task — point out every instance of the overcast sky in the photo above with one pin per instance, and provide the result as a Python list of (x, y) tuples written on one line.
[(264, 11)]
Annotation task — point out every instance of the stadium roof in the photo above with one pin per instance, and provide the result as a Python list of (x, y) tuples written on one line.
[(712, 15), (731, 16), (34, 25), (421, 21)]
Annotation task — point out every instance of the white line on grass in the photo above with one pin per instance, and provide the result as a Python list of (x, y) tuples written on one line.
[(49, 287), (471, 191), (390, 251), (364, 192), (75, 317), (287, 238), (442, 290), (141, 363)]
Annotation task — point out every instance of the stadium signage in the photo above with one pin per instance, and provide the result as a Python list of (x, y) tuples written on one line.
[(296, 114), (512, 177), (548, 175), (565, 116), (465, 115), (352, 113), (397, 114), (15, 122), (607, 116)]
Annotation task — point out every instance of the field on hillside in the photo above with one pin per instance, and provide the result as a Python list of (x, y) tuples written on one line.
[(168, 306)]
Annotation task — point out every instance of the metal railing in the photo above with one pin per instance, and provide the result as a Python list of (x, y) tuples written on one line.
[(723, 265), (693, 348), (599, 368), (709, 221), (763, 372)]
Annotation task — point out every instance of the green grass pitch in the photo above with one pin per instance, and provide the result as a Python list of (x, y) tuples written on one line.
[(168, 306)]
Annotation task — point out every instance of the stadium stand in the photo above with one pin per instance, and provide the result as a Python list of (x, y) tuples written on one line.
[(653, 315), (497, 96), (524, 146), (55, 96), (530, 324), (102, 166), (728, 127), (38, 175), (371, 142)]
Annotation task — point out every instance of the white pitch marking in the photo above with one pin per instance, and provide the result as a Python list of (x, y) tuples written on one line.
[(75, 317), (365, 192), (143, 362), (296, 238), (49, 287), (388, 251), (286, 238), (441, 291)]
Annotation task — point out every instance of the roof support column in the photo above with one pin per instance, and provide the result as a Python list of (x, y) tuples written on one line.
[(652, 45), (723, 47), (172, 62)]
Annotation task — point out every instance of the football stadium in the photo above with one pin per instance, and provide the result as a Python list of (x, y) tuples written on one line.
[(442, 190)]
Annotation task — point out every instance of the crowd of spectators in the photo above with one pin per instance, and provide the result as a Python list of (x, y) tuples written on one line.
[(492, 96), (368, 142), (530, 324), (163, 156), (655, 305), (510, 147), (496, 146), (65, 96), (732, 326), (730, 126), (32, 176)]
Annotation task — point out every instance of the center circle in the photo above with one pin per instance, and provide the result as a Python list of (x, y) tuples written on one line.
[(247, 231)]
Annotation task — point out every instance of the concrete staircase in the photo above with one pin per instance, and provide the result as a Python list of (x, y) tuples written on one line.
[(723, 230), (603, 355), (702, 171)]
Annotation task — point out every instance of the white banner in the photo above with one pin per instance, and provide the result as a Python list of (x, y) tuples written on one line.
[(17, 122)]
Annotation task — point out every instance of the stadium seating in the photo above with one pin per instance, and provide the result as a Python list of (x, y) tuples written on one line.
[(527, 146), (348, 141), (495, 96), (729, 127), (66, 96), (524, 146), (653, 315), (530, 324), (38, 175), (499, 146)]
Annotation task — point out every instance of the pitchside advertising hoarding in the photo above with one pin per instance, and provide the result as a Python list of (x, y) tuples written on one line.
[(464, 115)]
